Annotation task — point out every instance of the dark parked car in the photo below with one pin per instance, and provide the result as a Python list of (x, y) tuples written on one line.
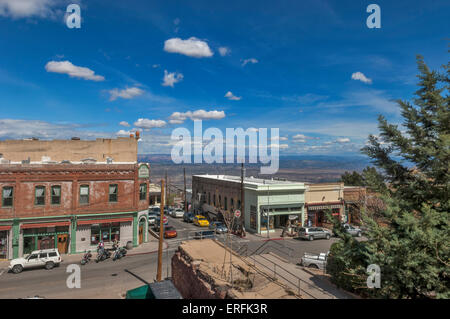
[(188, 217)]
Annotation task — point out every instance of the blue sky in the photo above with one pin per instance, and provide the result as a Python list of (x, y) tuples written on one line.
[(287, 64)]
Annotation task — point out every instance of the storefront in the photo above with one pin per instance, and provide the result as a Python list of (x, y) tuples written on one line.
[(45, 236), (317, 214), (279, 216), (4, 241)]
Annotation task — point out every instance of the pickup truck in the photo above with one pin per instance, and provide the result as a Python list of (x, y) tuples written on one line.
[(318, 261)]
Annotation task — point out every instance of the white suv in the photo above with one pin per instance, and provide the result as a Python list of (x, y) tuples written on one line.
[(46, 258)]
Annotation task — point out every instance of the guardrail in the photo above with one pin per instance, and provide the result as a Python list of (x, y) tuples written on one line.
[(277, 274)]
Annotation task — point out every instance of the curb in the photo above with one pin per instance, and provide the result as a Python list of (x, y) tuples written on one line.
[(149, 252)]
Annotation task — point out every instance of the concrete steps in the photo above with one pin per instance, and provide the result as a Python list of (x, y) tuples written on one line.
[(311, 286)]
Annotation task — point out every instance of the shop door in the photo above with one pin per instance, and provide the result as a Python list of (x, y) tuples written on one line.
[(3, 245), (46, 242), (63, 243), (141, 234), (320, 218)]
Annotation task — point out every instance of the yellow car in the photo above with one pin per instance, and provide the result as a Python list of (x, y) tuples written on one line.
[(201, 221)]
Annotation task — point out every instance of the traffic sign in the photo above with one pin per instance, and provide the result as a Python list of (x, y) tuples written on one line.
[(237, 213)]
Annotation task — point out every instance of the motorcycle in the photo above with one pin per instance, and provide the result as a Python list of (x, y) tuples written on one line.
[(119, 253), (86, 257), (102, 254)]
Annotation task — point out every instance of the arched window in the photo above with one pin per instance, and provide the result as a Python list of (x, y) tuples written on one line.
[(232, 203), (226, 203)]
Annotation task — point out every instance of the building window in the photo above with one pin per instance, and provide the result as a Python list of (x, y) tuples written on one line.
[(232, 203), (214, 199), (239, 204), (143, 192), (226, 203), (39, 195), (220, 201), (105, 232), (7, 196), (113, 189), (84, 194), (209, 198), (56, 195)]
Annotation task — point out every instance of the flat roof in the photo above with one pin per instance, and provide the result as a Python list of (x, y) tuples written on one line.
[(250, 180)]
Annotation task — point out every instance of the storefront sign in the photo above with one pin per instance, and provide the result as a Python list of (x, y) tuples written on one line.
[(144, 171)]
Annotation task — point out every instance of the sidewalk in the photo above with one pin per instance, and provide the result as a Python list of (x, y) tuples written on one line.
[(145, 248), (263, 236)]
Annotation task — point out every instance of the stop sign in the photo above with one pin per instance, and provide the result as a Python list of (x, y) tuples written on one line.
[(237, 213)]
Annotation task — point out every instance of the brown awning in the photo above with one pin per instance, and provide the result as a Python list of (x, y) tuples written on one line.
[(5, 227), (324, 207), (104, 221), (39, 225)]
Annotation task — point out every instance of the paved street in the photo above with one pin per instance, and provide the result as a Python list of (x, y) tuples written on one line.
[(110, 279)]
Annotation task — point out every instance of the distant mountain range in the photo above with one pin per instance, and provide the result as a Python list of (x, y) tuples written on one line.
[(304, 168), (355, 162)]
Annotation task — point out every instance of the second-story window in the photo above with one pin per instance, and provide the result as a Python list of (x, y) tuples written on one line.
[(84, 194), (143, 192), (39, 195), (113, 193), (7, 196), (56, 195)]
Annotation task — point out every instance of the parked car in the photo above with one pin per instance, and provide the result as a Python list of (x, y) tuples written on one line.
[(188, 217), (352, 230), (157, 222), (170, 232), (218, 227), (156, 210), (201, 221), (204, 234), (46, 258), (152, 218), (311, 233), (314, 261), (178, 213)]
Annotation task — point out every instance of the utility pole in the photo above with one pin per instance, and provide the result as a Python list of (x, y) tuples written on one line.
[(242, 208), (185, 201), (167, 193), (161, 234)]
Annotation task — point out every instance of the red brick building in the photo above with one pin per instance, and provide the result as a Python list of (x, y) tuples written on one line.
[(71, 206)]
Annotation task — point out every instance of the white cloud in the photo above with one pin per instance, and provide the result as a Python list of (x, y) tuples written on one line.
[(147, 124), (192, 47), (124, 123), (178, 118), (27, 8), (232, 97), (171, 78), (127, 93), (358, 76), (18, 129), (66, 67), (343, 140), (223, 51), (124, 133), (251, 60)]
